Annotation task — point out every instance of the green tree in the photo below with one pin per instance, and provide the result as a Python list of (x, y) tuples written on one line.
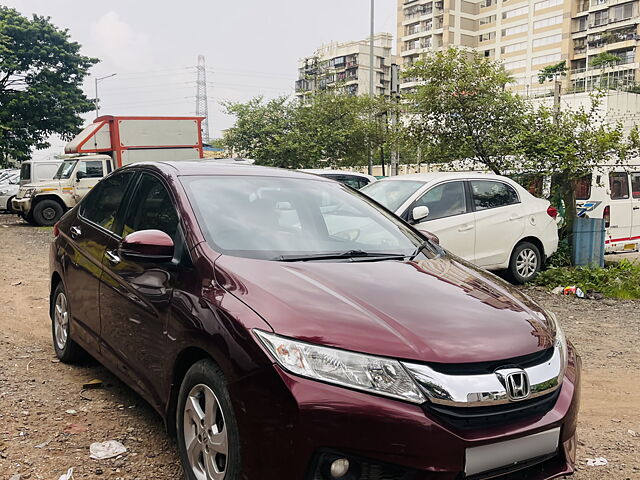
[(41, 72), (603, 61), (553, 72), (462, 110), (569, 144)]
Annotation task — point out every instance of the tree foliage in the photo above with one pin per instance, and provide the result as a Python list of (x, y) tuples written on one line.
[(41, 72), (461, 109), (329, 128), (552, 72)]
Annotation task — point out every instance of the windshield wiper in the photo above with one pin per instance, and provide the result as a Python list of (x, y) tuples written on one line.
[(351, 254)]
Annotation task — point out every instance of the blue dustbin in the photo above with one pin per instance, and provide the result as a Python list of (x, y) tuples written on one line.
[(588, 242)]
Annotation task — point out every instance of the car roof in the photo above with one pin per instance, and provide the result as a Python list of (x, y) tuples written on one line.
[(208, 167), (327, 171), (432, 176)]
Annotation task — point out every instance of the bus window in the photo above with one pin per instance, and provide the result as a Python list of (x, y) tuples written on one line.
[(583, 187), (635, 184), (619, 185)]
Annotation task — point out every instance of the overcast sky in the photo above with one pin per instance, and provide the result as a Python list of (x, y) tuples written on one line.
[(251, 47)]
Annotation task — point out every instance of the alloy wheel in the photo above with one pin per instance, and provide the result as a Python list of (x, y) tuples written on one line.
[(205, 434), (61, 321), (527, 263)]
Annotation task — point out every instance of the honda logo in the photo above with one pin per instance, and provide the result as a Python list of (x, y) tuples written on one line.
[(516, 383)]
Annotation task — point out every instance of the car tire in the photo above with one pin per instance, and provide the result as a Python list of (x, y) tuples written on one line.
[(10, 205), (47, 212), (201, 441), (66, 349), (525, 263)]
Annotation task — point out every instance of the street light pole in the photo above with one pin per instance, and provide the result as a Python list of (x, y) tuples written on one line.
[(96, 98), (371, 77)]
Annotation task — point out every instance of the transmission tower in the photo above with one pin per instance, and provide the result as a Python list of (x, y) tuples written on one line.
[(202, 105)]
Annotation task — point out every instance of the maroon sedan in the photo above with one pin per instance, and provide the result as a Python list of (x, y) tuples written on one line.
[(287, 327)]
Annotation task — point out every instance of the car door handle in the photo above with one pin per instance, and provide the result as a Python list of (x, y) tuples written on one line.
[(465, 228), (75, 231), (112, 257), (515, 217), (636, 208)]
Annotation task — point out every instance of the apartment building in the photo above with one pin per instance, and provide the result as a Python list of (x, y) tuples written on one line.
[(526, 35), (345, 67)]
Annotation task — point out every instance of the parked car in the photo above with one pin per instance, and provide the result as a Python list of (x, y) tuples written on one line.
[(486, 219), (353, 179), (276, 345), (9, 186)]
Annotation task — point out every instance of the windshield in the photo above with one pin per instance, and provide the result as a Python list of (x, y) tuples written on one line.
[(273, 218), (65, 169), (392, 193)]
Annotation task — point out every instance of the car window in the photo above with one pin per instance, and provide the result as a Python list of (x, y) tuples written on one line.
[(635, 184), (491, 194), (91, 169), (266, 217), (151, 208), (101, 205), (445, 200), (619, 185), (25, 171), (392, 193), (583, 187)]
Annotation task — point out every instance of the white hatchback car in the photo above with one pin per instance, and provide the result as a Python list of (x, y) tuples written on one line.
[(486, 219)]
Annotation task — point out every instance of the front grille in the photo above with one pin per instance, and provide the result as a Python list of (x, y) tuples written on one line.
[(478, 417), (482, 368), (361, 468)]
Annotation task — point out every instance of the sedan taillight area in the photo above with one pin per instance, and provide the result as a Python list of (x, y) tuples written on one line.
[(552, 212), (607, 216)]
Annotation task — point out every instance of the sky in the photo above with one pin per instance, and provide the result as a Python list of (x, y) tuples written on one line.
[(251, 48)]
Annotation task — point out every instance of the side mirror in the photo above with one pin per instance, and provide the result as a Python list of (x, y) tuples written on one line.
[(147, 246), (419, 213), (79, 176)]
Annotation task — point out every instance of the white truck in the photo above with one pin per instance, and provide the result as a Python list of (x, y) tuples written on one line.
[(109, 143)]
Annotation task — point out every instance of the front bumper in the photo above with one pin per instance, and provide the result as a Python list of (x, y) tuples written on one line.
[(21, 205), (289, 424)]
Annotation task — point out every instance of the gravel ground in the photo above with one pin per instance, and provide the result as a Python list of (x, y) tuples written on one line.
[(47, 422)]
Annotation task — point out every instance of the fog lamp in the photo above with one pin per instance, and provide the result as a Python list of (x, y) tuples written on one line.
[(339, 468)]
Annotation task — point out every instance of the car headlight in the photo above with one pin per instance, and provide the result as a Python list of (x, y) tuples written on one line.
[(560, 341), (29, 192), (371, 374)]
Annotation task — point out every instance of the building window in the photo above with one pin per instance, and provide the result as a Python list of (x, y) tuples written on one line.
[(485, 37), (487, 20), (539, 42), (621, 12), (547, 22), (515, 12), (547, 4), (600, 18), (554, 57), (487, 3), (514, 47), (513, 30), (515, 64)]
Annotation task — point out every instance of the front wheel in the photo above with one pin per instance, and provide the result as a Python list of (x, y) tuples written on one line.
[(525, 263), (208, 437), (47, 212)]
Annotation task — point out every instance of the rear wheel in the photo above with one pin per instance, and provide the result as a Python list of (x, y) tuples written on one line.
[(525, 263), (208, 437), (66, 349), (47, 212)]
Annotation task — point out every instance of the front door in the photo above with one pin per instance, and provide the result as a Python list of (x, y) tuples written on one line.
[(135, 295), (87, 174), (449, 218), (90, 233), (500, 221)]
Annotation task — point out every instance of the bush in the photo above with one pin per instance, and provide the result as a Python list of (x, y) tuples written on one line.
[(621, 280)]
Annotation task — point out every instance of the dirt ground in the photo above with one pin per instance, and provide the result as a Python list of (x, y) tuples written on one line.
[(47, 422)]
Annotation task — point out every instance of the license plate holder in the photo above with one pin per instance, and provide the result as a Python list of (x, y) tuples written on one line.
[(511, 452)]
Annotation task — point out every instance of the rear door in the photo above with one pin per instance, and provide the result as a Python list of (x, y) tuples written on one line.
[(450, 218), (621, 209), (635, 206), (135, 295), (90, 232), (500, 220)]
